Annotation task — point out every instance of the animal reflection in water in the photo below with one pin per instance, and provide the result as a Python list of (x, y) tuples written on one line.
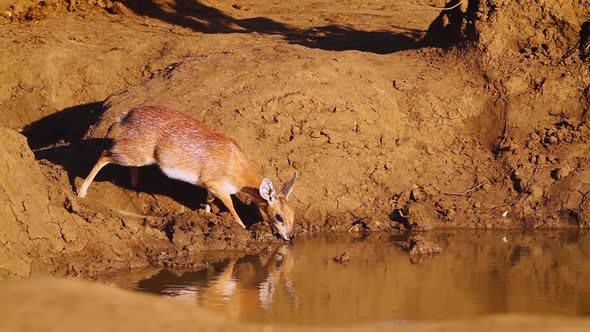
[(243, 287), (251, 282)]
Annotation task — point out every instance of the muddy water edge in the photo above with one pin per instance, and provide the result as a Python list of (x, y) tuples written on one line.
[(309, 282)]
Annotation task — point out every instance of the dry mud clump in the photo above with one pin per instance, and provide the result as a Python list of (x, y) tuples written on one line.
[(418, 248)]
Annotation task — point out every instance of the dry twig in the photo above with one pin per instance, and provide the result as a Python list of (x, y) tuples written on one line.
[(468, 190)]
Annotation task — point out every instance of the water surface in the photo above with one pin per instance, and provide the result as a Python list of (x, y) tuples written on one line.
[(477, 273)]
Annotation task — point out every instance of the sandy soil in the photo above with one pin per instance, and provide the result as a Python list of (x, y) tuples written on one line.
[(68, 305), (388, 132)]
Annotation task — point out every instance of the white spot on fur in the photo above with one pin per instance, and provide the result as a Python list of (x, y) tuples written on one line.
[(231, 189), (181, 174)]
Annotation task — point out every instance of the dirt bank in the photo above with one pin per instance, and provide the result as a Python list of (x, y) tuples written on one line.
[(387, 131), (535, 175), (65, 305)]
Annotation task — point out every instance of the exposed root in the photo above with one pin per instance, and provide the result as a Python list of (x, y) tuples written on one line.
[(479, 185), (440, 8)]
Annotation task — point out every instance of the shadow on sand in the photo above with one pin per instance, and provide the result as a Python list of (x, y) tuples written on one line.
[(207, 19)]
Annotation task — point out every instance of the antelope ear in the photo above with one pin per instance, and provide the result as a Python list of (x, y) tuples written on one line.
[(288, 187), (267, 190)]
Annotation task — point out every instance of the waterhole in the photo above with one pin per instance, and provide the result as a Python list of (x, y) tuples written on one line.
[(477, 273)]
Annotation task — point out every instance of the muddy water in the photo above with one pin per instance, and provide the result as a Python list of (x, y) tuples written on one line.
[(478, 273)]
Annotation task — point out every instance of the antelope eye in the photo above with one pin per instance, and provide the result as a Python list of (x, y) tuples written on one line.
[(279, 218)]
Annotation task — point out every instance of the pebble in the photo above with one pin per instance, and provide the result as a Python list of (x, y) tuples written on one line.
[(536, 191), (343, 258), (416, 195), (562, 172)]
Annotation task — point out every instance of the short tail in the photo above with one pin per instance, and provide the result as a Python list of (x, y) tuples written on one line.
[(123, 115), (120, 118)]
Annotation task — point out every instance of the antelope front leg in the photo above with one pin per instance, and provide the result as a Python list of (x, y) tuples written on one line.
[(225, 197)]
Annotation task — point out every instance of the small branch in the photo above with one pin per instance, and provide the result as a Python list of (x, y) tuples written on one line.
[(535, 172), (511, 203), (441, 8), (468, 190), (357, 221), (569, 52)]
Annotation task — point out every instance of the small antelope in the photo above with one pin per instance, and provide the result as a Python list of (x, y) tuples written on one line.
[(186, 149)]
